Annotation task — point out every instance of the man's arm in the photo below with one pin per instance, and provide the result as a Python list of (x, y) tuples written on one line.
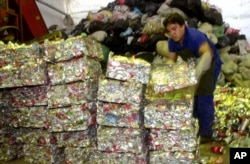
[(205, 60)]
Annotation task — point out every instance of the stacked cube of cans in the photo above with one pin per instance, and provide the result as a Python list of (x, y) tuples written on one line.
[(168, 114), (121, 136)]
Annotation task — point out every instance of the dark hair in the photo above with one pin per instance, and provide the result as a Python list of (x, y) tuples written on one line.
[(173, 18)]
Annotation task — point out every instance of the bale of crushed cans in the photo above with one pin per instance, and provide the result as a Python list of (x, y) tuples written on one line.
[(22, 65), (77, 155), (11, 152), (183, 94), (169, 77), (128, 69), (181, 157), (71, 118), (72, 47), (9, 135), (173, 140), (6, 116), (39, 137), (168, 115), (29, 96), (84, 139), (33, 117), (116, 91), (114, 139), (43, 154), (10, 147), (72, 93), (119, 115), (171, 81), (77, 69)]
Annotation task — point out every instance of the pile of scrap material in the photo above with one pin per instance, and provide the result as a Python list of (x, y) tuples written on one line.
[(232, 116)]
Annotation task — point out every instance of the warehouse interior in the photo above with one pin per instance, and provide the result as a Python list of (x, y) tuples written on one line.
[(89, 82)]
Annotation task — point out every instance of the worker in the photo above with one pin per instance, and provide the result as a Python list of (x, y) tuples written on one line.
[(188, 43)]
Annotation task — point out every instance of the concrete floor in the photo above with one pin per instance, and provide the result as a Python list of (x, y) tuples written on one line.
[(206, 155)]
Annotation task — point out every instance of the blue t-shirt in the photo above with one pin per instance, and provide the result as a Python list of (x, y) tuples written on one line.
[(193, 39)]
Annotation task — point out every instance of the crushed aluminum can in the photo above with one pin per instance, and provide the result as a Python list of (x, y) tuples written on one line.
[(244, 125), (217, 149)]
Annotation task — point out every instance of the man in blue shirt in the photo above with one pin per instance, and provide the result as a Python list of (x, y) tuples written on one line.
[(188, 43)]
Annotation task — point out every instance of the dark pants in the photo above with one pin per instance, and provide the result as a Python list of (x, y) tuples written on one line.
[(204, 110)]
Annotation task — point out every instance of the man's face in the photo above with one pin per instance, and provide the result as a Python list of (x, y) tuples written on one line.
[(175, 31)]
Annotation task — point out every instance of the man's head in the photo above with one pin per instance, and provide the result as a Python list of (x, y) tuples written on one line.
[(175, 26)]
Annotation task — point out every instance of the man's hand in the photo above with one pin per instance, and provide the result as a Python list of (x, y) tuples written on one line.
[(203, 64)]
